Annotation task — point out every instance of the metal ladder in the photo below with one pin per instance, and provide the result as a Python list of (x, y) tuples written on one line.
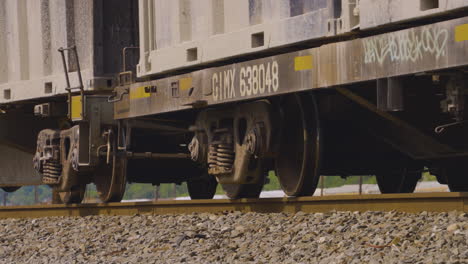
[(67, 78)]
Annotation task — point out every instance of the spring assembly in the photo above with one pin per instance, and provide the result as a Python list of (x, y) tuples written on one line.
[(225, 156), (213, 156), (51, 172), (220, 158)]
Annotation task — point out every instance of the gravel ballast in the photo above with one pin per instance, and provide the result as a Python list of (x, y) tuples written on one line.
[(335, 237)]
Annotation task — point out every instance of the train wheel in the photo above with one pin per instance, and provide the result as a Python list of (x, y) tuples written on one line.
[(298, 161), (398, 182), (458, 184), (11, 189), (111, 180), (456, 174), (238, 191), (74, 196), (203, 188)]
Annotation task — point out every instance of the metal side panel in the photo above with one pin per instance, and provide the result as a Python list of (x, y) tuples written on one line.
[(18, 136), (377, 13), (16, 168), (32, 31), (183, 33), (427, 48)]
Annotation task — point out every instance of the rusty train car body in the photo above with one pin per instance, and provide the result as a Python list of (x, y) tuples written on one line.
[(221, 92)]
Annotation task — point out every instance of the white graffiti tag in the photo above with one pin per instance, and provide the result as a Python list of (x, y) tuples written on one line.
[(407, 46)]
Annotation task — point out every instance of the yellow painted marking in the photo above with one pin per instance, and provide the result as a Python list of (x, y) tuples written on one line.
[(461, 33), (76, 108), (185, 83), (139, 92), (303, 63)]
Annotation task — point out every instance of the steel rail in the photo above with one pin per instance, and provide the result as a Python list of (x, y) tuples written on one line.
[(411, 203)]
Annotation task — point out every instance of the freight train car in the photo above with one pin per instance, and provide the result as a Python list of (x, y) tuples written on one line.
[(215, 92), (33, 87)]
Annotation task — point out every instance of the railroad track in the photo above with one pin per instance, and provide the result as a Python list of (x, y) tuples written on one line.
[(413, 203)]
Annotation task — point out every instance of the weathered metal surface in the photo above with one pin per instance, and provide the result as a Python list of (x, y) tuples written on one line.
[(179, 34), (251, 122), (32, 31), (16, 167), (412, 203), (416, 50), (186, 33), (378, 13), (18, 135)]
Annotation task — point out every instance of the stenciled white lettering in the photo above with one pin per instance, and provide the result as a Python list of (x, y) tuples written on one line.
[(232, 87), (254, 80)]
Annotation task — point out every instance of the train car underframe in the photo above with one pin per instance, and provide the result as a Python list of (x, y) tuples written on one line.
[(300, 136), (350, 108), (343, 131)]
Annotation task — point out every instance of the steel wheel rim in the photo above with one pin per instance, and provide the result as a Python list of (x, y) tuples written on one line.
[(238, 191), (455, 172), (403, 181), (75, 195), (204, 188), (298, 162), (110, 180), (10, 189)]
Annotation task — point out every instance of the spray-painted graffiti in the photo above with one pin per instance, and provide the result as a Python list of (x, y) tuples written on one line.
[(408, 46)]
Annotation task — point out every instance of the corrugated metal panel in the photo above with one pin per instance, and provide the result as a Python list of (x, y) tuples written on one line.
[(31, 32), (376, 13), (182, 33)]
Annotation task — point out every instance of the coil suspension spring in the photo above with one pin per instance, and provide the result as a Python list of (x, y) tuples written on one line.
[(225, 156), (212, 156), (51, 172), (221, 156)]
